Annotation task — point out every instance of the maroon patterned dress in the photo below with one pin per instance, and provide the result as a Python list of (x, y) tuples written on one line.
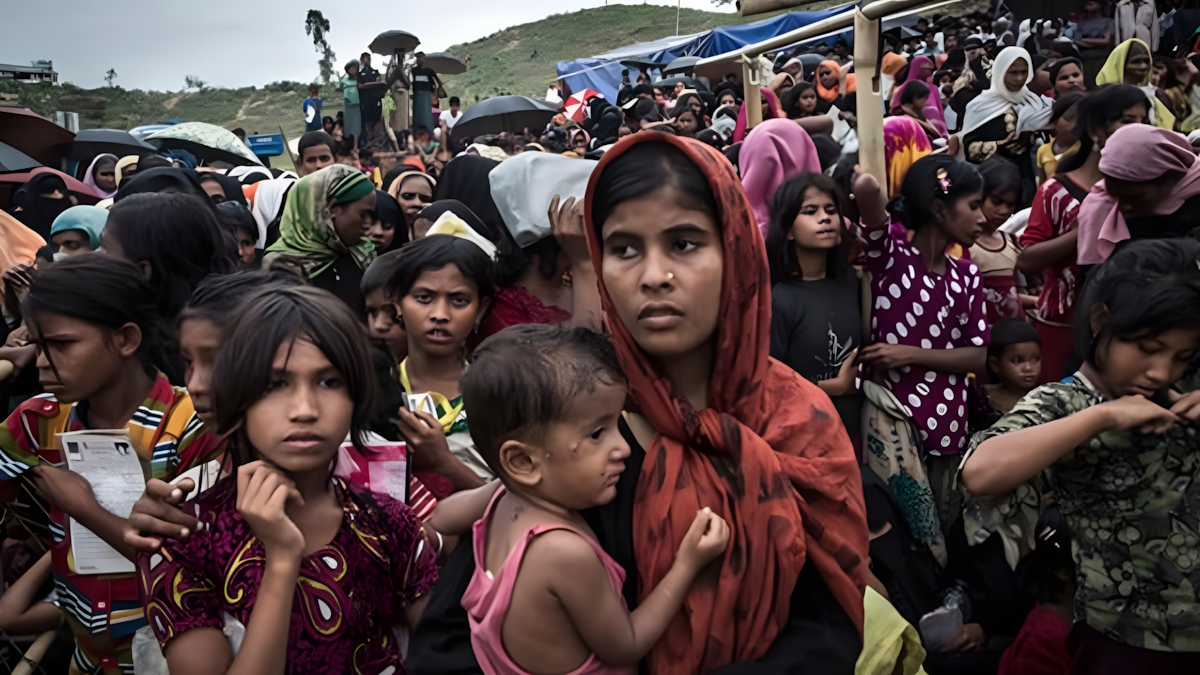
[(347, 594)]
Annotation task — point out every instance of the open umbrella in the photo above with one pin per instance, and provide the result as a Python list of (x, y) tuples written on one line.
[(682, 65), (445, 63), (578, 101), (34, 135), (393, 42), (207, 142), (140, 133), (115, 141), (504, 113), (12, 159), (670, 82)]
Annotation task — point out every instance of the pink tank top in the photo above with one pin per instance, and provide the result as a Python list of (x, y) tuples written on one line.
[(486, 599)]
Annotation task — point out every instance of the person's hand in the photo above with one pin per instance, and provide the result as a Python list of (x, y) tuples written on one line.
[(567, 224), (1185, 405), (425, 438), (20, 357), (862, 183), (18, 338), (64, 488), (844, 382), (263, 494), (1136, 412), (970, 638), (156, 515), (705, 540), (882, 356)]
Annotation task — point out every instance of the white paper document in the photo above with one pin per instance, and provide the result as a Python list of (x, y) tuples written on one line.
[(109, 462)]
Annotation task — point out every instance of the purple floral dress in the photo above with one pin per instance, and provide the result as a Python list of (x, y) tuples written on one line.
[(347, 594), (916, 307)]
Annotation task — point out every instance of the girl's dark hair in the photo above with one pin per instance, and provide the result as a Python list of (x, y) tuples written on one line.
[(233, 217), (922, 189), (1096, 111), (512, 260), (914, 90), (1000, 175), (1064, 103), (1148, 287), (179, 237), (790, 100), (435, 252), (379, 271), (279, 316), (106, 291), (218, 297), (785, 206), (644, 169)]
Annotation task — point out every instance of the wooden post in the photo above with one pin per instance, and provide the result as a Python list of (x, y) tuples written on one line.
[(33, 655), (870, 105), (751, 93)]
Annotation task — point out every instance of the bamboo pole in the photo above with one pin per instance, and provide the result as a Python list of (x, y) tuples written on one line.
[(753, 97), (870, 106), (33, 655)]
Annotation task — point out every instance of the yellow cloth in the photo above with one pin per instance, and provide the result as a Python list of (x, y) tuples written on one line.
[(890, 644), (450, 224), (1113, 72), (451, 412), (1047, 161)]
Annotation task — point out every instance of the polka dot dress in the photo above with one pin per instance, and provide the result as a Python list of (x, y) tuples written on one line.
[(917, 307)]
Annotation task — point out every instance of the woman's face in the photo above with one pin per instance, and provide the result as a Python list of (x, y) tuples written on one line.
[(662, 266), (579, 141), (808, 101), (686, 123), (963, 223), (679, 89), (918, 103), (105, 175), (338, 132), (1157, 73), (245, 243), (926, 71), (86, 356), (1064, 126), (659, 97), (199, 341), (1137, 66), (828, 79), (352, 221), (1139, 198), (214, 191), (381, 234), (1135, 114), (998, 207), (1143, 366), (415, 194), (440, 311), (1070, 78), (817, 225), (72, 242), (727, 98), (304, 415), (1016, 75)]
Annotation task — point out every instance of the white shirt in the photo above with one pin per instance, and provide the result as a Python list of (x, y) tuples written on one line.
[(449, 118)]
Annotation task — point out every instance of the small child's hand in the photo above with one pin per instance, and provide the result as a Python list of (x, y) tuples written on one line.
[(705, 540), (263, 493), (1137, 412)]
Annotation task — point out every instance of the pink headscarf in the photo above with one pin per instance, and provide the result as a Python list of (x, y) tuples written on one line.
[(774, 110), (1135, 153), (773, 152), (933, 107), (90, 180)]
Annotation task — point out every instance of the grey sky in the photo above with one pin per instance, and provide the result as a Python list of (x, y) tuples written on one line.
[(153, 44)]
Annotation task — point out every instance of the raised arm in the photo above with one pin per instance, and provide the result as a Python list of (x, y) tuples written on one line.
[(21, 610)]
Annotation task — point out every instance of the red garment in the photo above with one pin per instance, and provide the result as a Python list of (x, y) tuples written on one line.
[(513, 306), (1054, 213), (769, 455), (1041, 646)]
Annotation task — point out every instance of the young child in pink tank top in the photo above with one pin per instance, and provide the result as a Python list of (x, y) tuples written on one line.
[(543, 405)]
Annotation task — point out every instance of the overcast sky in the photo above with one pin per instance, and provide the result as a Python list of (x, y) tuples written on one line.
[(233, 43)]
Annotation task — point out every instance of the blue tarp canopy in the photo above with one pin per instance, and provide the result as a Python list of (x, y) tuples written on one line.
[(603, 73)]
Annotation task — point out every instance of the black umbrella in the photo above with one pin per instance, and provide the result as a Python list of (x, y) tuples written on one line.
[(670, 82), (115, 141), (445, 64), (12, 159), (504, 113), (682, 65), (394, 41)]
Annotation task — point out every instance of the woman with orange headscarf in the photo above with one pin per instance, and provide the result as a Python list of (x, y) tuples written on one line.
[(715, 422), (833, 87)]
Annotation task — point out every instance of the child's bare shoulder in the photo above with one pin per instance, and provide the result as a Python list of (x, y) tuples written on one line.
[(562, 550)]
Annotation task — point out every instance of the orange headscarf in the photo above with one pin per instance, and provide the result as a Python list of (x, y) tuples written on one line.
[(769, 455), (892, 63), (18, 244), (831, 94)]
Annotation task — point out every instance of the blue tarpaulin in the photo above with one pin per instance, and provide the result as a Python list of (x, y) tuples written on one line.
[(603, 73)]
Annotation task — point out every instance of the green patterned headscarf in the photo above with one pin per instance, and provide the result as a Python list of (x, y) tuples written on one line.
[(306, 228)]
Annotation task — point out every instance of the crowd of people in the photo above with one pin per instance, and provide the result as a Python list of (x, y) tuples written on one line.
[(672, 391)]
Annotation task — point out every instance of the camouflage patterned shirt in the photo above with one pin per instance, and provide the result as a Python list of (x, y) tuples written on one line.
[(1133, 504)]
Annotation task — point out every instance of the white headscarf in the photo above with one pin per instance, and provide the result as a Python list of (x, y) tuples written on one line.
[(997, 99), (268, 203), (524, 186)]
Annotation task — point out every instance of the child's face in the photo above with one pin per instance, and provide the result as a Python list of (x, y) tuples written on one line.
[(1142, 366), (315, 158), (87, 356), (381, 234), (72, 242), (245, 244), (304, 415), (808, 101), (583, 455), (1019, 365), (818, 225), (199, 340), (440, 311), (998, 207), (383, 322)]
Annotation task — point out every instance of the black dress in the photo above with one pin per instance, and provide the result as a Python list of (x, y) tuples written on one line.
[(819, 637), (342, 279)]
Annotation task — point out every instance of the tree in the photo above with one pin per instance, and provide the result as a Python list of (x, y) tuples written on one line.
[(193, 82), (110, 76), (317, 26)]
